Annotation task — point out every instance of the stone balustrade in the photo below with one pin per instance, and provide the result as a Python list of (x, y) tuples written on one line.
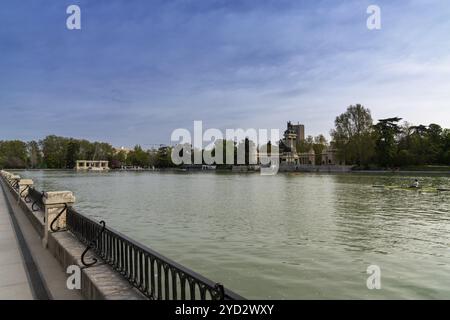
[(55, 203), (55, 210), (49, 220), (75, 240)]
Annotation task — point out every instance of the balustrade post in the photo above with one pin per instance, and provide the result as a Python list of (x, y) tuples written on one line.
[(55, 208)]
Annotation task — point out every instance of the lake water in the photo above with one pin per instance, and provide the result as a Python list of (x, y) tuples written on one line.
[(289, 236)]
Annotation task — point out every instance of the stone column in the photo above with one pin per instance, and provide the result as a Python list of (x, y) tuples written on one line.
[(24, 186), (54, 203)]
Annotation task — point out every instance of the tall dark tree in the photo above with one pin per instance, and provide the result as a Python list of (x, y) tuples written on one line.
[(72, 155), (445, 157), (419, 146), (385, 134), (435, 143), (247, 150)]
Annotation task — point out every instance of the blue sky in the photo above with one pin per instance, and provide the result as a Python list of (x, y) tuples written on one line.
[(140, 69)]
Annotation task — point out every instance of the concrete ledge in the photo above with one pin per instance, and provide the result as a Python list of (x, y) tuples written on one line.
[(36, 218), (97, 282)]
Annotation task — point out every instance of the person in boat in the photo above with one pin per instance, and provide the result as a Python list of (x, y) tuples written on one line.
[(415, 184)]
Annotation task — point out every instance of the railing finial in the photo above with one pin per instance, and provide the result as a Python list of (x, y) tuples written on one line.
[(91, 245), (220, 290)]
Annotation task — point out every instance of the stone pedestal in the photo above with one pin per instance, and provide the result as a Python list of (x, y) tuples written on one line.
[(54, 204)]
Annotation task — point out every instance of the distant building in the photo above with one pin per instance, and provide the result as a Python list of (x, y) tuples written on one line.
[(288, 146), (299, 130), (307, 158), (329, 156), (122, 149), (292, 161), (288, 149), (92, 165)]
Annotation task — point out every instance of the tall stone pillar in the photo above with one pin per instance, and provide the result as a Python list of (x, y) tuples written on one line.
[(24, 186), (56, 204)]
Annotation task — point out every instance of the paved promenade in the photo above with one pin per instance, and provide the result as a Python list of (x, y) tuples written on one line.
[(14, 283)]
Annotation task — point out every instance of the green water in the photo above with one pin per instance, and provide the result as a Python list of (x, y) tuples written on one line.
[(290, 236)]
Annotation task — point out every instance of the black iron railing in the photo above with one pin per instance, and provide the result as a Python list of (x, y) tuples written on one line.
[(14, 184), (35, 197), (156, 276)]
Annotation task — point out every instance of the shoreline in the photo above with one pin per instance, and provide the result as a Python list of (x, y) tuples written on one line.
[(281, 172)]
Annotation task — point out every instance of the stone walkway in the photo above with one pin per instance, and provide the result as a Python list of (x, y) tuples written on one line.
[(14, 282)]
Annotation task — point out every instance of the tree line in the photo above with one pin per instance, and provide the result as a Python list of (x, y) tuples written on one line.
[(389, 143), (54, 152)]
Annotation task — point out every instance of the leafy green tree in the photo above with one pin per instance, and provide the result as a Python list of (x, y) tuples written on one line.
[(54, 149), (87, 150), (102, 151), (61, 152), (319, 146), (164, 158), (13, 154), (404, 158), (353, 135), (138, 157), (34, 155), (119, 159), (152, 157), (305, 145)]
